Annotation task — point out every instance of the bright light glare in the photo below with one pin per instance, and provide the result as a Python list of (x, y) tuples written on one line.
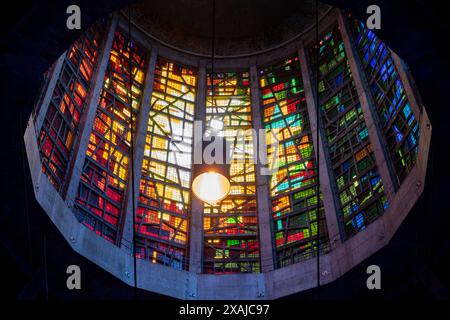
[(211, 186), (216, 124)]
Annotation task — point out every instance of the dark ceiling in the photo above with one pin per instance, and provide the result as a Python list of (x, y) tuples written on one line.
[(241, 26)]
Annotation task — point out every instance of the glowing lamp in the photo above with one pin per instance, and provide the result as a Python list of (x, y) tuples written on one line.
[(211, 186), (211, 182)]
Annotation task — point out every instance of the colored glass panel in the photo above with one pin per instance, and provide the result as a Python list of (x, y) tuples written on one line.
[(68, 102), (230, 226), (164, 197), (359, 186), (399, 125), (101, 192), (293, 185)]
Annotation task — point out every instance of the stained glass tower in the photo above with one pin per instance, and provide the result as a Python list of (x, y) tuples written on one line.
[(329, 145)]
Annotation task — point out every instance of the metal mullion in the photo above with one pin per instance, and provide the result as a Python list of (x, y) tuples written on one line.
[(293, 137), (385, 96), (232, 211), (398, 109), (171, 104), (56, 146), (97, 218), (164, 111), (159, 240), (371, 54), (176, 166), (289, 246), (375, 197), (347, 109), (112, 104), (98, 191), (168, 79), (375, 79), (71, 95), (339, 63), (328, 50), (101, 136), (351, 130), (49, 126), (176, 229), (108, 173), (84, 65), (376, 73), (398, 145), (94, 188), (385, 100), (349, 155), (62, 135), (413, 161), (219, 215), (355, 198), (294, 213), (165, 182), (114, 147), (291, 192), (65, 90), (235, 236), (161, 208), (90, 36), (76, 67), (277, 102), (50, 170), (380, 54), (359, 176), (338, 168), (343, 136), (331, 93)]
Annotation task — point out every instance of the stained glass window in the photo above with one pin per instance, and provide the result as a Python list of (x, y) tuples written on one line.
[(399, 125), (164, 197), (46, 77), (360, 189), (68, 102), (293, 185), (230, 226), (101, 192)]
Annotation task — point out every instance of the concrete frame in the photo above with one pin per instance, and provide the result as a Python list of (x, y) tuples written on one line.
[(139, 135), (196, 239), (369, 111), (330, 202), (271, 283), (265, 229)]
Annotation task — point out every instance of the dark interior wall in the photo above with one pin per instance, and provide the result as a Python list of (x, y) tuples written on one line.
[(413, 265), (34, 37)]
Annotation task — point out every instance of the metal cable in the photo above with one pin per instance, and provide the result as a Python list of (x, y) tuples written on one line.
[(130, 96), (317, 139), (213, 42)]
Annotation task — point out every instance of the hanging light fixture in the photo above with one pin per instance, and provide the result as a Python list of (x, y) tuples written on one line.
[(211, 186), (211, 182)]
